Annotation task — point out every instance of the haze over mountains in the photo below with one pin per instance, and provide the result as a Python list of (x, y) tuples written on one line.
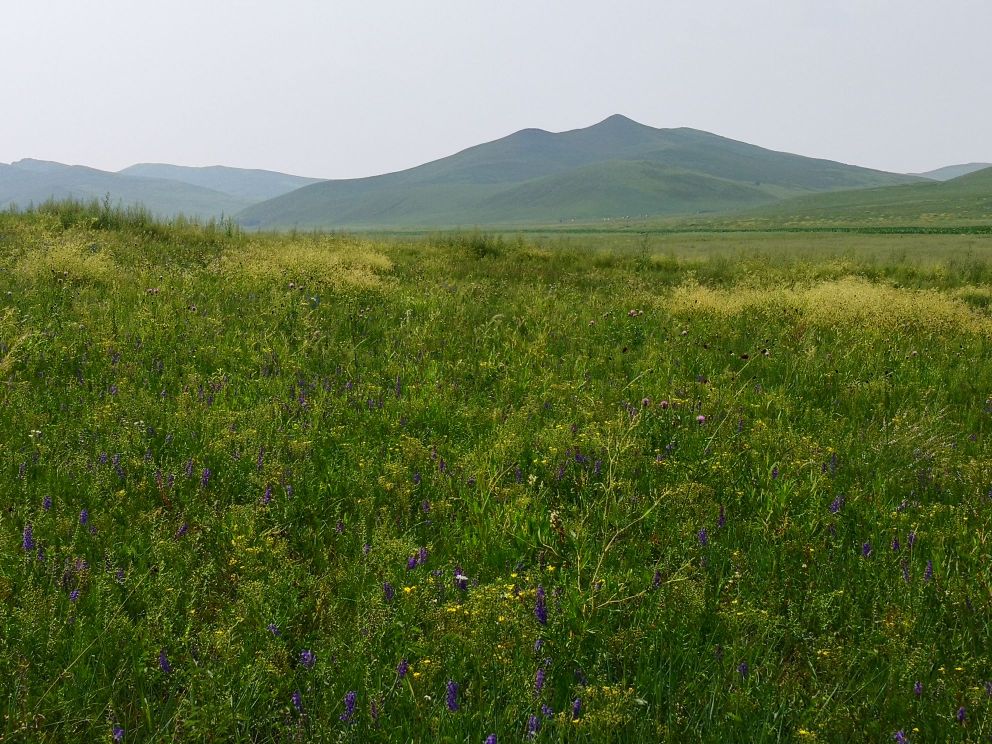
[(617, 169), (166, 190)]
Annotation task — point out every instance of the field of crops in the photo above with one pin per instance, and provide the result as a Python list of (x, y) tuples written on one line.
[(728, 487)]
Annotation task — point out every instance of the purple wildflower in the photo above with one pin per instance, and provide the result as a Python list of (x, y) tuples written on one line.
[(539, 681), (461, 580), (117, 733), (866, 550), (961, 715), (900, 737), (547, 711), (163, 662), (308, 658), (928, 572), (273, 629), (74, 596), (775, 472), (911, 539), (533, 726), (538, 645), (366, 549), (704, 537), (349, 706), (416, 478), (297, 699), (656, 579), (411, 563), (46, 503), (388, 592), (267, 496), (836, 504), (743, 669), (402, 668), (205, 478), (339, 527), (905, 571), (422, 556), (491, 739), (700, 419), (183, 529), (452, 696), (84, 516), (28, 540), (918, 688), (540, 608), (576, 708), (895, 545)]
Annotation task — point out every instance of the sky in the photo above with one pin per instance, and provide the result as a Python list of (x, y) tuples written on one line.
[(350, 88)]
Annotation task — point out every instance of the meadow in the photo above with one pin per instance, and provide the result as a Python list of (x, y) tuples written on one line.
[(473, 488)]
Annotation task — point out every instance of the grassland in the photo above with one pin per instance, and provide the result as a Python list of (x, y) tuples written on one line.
[(719, 487)]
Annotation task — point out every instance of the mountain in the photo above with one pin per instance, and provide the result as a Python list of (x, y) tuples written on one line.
[(966, 199), (30, 181), (953, 171), (251, 185), (616, 168)]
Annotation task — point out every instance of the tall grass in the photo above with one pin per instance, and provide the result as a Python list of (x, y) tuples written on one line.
[(713, 487)]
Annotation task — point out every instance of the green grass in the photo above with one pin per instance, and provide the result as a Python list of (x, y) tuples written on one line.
[(497, 401)]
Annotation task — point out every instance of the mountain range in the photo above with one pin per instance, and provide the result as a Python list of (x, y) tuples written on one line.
[(617, 169)]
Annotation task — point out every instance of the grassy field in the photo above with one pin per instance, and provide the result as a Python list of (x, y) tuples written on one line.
[(719, 487)]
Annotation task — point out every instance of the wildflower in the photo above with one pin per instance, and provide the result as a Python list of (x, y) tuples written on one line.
[(84, 516), (836, 504), (704, 538), (491, 739), (46, 503), (538, 645), (576, 708), (297, 699), (905, 571), (117, 733), (918, 688), (349, 706), (700, 419), (721, 520), (743, 669), (775, 472), (183, 529), (452, 695), (308, 658), (656, 579), (422, 556), (546, 711), (74, 596), (539, 680), (273, 629), (928, 572), (205, 478), (411, 563), (961, 715), (911, 539), (866, 550), (533, 726), (339, 527), (900, 737), (540, 608), (402, 668), (163, 662), (461, 580), (366, 549), (895, 545), (388, 591), (28, 540), (267, 496)]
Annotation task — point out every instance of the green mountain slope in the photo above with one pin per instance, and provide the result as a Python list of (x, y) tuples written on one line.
[(953, 171), (966, 199), (486, 184), (243, 183), (29, 182)]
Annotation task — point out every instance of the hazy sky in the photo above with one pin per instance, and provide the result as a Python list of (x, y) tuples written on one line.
[(343, 88)]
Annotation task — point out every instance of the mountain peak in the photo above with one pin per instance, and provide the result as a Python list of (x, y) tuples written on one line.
[(619, 121)]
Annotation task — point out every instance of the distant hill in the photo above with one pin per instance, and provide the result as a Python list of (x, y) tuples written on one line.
[(953, 171), (30, 181), (961, 200), (251, 185), (614, 169)]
